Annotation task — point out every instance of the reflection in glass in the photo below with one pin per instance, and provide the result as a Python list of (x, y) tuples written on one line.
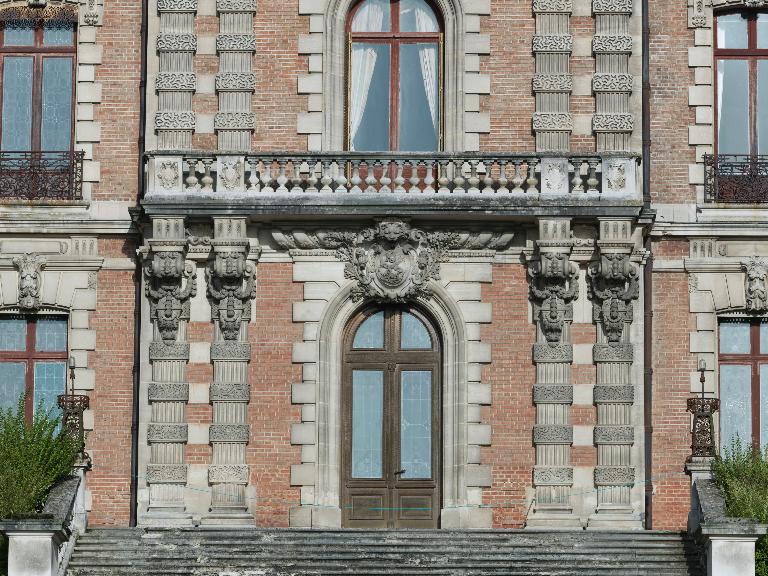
[(13, 334), (12, 376), (369, 97), (763, 406), (56, 128), (734, 338), (19, 33), (372, 16), (735, 405), (419, 107), (416, 424), (57, 33), (762, 30), (762, 105), (17, 104), (413, 334), (764, 338), (367, 422), (51, 335), (50, 381), (417, 16), (732, 31), (370, 334), (733, 107)]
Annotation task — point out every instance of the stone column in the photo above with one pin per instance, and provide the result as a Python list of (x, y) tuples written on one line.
[(231, 286), (613, 286), (553, 287), (170, 282), (552, 83)]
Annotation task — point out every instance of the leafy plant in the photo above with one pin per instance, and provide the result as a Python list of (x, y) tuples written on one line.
[(34, 455), (742, 475)]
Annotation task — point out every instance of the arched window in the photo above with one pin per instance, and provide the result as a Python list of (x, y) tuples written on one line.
[(394, 69), (741, 83)]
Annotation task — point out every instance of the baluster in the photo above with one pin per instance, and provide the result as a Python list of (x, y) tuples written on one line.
[(429, 178), (488, 177), (532, 180), (281, 179), (325, 178), (193, 184), (474, 179), (207, 179), (518, 178), (312, 176), (251, 170), (385, 180), (399, 180), (414, 179), (503, 177), (355, 180), (442, 177), (341, 179), (577, 183), (592, 181), (266, 175), (458, 176), (296, 177), (370, 177)]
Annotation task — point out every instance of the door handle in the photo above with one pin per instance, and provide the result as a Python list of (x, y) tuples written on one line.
[(400, 472)]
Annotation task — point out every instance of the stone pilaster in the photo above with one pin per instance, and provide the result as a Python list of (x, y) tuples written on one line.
[(613, 287), (553, 287), (170, 282), (176, 81), (553, 83), (231, 281), (612, 83), (235, 83)]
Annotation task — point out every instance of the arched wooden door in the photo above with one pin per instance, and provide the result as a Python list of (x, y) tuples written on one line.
[(391, 420)]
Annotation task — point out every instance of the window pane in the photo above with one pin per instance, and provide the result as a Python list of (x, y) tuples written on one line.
[(58, 33), (370, 334), (762, 106), (732, 31), (50, 381), (367, 422), (56, 129), (419, 106), (734, 338), (417, 16), (413, 334), (20, 33), (733, 107), (369, 97), (12, 376), (13, 334), (764, 406), (17, 104), (764, 338), (762, 30), (735, 405), (416, 424), (372, 16), (51, 335)]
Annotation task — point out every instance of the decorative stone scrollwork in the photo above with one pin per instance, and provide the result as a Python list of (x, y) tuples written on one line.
[(234, 433), (553, 286), (236, 42), (614, 435), (169, 351), (228, 473), (228, 350), (552, 6), (604, 394), (552, 82), (236, 82), (168, 433), (614, 476), (167, 292), (30, 267), (553, 43), (175, 120), (166, 473), (606, 82), (553, 475), (555, 121), (612, 6), (234, 121), (552, 434), (168, 392), (613, 285), (176, 43), (236, 5), (611, 43), (613, 353), (231, 286), (553, 394), (613, 122), (176, 81), (177, 5), (230, 392), (756, 289), (553, 352)]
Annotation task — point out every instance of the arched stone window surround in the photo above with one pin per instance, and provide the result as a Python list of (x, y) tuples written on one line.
[(449, 322), (335, 81)]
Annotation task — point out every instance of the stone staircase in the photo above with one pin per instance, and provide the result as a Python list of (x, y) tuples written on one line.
[(296, 552)]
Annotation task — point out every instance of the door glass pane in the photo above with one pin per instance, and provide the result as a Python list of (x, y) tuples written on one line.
[(762, 30), (367, 423), (762, 106), (58, 33), (17, 104), (735, 405), (369, 97), (50, 381), (20, 33), (732, 31), (733, 107), (764, 406), (417, 16), (419, 102), (12, 376), (56, 129), (13, 334), (416, 424), (372, 16), (734, 338), (413, 334), (370, 334), (51, 335)]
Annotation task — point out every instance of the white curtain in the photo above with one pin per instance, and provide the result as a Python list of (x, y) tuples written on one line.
[(425, 22), (369, 18)]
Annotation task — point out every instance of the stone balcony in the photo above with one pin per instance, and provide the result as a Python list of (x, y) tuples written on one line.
[(341, 183)]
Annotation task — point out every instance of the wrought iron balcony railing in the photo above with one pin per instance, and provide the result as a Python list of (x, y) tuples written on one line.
[(741, 179), (222, 174), (41, 175)]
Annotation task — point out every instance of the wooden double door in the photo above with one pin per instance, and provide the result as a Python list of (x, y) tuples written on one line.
[(391, 420)]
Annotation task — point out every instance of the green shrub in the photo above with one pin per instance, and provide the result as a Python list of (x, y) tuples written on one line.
[(742, 475), (34, 456)]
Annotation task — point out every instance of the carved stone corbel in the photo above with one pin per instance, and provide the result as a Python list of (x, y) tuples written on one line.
[(553, 287), (171, 282), (612, 287), (231, 286), (755, 287), (30, 267)]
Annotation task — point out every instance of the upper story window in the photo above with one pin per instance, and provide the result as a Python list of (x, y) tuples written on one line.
[(37, 63), (743, 358), (394, 84), (741, 54), (33, 360)]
